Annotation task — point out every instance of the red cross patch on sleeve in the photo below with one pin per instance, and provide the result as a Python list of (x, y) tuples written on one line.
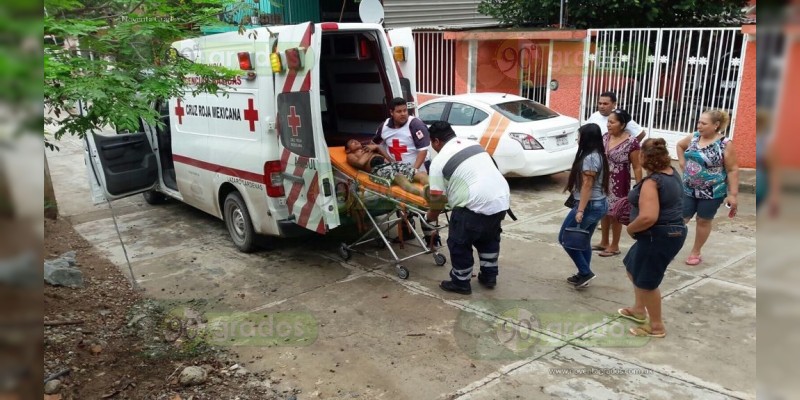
[(419, 134)]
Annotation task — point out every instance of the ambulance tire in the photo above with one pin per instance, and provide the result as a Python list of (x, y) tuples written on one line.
[(240, 226), (154, 198)]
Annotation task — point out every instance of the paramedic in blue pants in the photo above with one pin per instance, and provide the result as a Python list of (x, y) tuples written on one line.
[(464, 177)]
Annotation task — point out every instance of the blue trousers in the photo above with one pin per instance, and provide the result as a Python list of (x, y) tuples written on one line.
[(468, 229), (594, 212)]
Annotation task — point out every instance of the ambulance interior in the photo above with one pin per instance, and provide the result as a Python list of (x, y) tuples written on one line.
[(355, 90)]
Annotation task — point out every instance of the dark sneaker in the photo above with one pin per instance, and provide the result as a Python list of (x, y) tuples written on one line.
[(487, 281), (449, 286), (583, 280), (574, 279)]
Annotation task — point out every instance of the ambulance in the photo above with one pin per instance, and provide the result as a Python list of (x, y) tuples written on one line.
[(257, 157)]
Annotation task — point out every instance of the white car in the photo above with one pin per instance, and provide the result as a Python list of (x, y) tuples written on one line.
[(524, 137)]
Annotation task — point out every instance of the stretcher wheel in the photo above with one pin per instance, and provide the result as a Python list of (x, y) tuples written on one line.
[(402, 272), (344, 252), (439, 259)]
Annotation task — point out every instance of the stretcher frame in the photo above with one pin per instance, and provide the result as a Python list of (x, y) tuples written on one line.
[(378, 232)]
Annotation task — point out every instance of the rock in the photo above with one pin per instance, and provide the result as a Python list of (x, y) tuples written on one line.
[(52, 387), (69, 257), (59, 273), (242, 371), (192, 376)]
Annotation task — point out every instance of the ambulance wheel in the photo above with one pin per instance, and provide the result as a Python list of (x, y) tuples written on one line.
[(439, 259), (154, 198), (239, 224), (402, 272), (344, 252)]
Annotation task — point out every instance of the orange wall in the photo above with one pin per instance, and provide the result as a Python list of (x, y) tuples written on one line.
[(421, 97), (462, 66), (495, 73), (567, 69), (744, 137), (787, 126)]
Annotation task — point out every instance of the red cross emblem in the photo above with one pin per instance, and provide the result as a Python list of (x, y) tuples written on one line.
[(293, 120), (251, 115), (397, 150), (179, 111)]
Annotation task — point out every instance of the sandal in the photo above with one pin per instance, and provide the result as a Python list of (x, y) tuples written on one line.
[(606, 253), (694, 260), (646, 331), (625, 313), (598, 247)]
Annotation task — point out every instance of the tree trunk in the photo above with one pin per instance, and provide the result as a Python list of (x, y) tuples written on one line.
[(50, 204)]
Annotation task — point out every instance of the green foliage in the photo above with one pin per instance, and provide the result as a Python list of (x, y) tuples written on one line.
[(118, 62), (616, 13)]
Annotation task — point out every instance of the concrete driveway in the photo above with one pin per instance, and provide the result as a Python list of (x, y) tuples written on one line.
[(359, 331)]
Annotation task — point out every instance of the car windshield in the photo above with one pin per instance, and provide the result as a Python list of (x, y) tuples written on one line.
[(524, 111)]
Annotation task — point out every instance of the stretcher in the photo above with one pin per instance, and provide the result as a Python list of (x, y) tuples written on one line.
[(357, 191)]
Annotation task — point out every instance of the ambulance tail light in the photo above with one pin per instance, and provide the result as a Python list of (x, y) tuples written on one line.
[(294, 59), (244, 61), (363, 49), (399, 53), (272, 179), (330, 26)]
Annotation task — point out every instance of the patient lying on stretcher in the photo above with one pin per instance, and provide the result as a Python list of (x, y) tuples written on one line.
[(375, 160)]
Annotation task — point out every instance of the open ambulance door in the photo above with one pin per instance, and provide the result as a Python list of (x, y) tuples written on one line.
[(119, 165), (306, 167), (406, 63)]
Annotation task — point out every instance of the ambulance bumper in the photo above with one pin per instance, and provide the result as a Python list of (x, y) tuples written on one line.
[(290, 229)]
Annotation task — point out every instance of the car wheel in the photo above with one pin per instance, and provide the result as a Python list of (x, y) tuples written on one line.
[(239, 224)]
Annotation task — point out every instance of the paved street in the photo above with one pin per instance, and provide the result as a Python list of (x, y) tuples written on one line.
[(377, 336)]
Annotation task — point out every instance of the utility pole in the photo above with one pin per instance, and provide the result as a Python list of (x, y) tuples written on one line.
[(561, 15)]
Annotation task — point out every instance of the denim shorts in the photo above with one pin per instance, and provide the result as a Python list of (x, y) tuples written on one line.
[(704, 208), (654, 250)]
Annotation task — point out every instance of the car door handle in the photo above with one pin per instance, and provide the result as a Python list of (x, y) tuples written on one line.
[(472, 137)]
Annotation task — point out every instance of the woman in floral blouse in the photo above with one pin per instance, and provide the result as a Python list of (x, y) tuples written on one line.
[(622, 151), (710, 176)]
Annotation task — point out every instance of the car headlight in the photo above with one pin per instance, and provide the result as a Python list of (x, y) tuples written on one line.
[(527, 141)]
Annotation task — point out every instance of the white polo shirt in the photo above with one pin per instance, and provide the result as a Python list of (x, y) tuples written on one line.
[(633, 128), (476, 184)]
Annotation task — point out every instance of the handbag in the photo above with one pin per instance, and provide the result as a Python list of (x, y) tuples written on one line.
[(576, 238), (570, 202)]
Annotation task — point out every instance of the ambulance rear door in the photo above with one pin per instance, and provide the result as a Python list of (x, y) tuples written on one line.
[(407, 63), (307, 173)]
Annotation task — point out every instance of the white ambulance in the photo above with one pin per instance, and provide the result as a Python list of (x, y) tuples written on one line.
[(258, 157)]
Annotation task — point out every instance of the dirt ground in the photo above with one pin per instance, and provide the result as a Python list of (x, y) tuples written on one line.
[(93, 339)]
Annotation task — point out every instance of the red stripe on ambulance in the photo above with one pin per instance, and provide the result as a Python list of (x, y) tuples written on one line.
[(246, 175)]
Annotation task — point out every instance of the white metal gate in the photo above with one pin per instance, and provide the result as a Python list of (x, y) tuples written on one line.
[(664, 77), (436, 67), (533, 66)]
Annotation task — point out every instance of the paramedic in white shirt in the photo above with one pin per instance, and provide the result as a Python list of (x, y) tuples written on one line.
[(464, 175), (404, 137), (606, 103)]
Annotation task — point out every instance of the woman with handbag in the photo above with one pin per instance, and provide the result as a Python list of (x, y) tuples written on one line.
[(659, 230), (622, 150), (588, 183)]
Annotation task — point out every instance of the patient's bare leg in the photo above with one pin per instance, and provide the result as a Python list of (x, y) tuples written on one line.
[(404, 183), (422, 178)]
